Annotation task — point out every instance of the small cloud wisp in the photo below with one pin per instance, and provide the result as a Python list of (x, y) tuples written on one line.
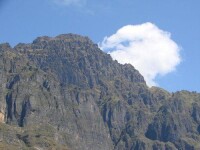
[(78, 3)]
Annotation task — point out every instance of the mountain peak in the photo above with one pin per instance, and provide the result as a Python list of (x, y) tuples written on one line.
[(65, 90), (71, 36), (5, 46), (63, 37)]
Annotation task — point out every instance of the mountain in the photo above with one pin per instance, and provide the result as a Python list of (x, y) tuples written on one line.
[(63, 92)]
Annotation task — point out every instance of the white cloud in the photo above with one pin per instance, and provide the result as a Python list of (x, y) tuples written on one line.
[(78, 3), (148, 48)]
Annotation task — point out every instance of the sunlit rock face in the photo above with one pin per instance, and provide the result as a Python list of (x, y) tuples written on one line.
[(65, 93)]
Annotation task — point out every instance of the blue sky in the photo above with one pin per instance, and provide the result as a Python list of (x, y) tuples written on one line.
[(24, 20)]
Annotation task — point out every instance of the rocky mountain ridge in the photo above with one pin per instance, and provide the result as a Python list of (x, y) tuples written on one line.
[(65, 93)]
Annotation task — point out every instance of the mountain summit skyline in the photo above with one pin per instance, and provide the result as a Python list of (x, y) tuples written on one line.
[(64, 92), (171, 67)]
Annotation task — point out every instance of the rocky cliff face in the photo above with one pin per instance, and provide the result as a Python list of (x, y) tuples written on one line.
[(65, 93)]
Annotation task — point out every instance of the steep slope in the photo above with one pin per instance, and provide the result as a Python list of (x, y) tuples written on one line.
[(69, 93)]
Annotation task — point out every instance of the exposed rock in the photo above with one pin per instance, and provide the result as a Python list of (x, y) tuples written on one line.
[(2, 116), (65, 93)]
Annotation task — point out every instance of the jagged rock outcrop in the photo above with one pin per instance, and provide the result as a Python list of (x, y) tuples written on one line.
[(65, 93)]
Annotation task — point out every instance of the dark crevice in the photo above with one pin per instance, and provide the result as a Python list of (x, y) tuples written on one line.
[(9, 106), (26, 107)]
